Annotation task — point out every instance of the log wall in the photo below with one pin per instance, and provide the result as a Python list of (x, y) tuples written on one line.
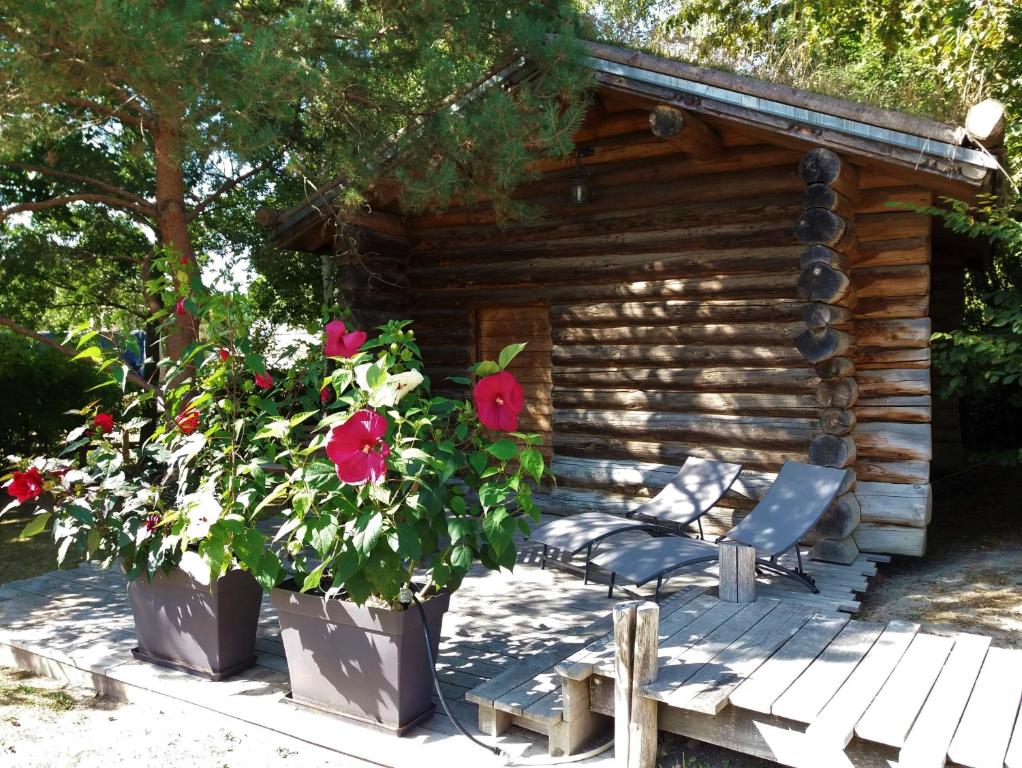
[(673, 306)]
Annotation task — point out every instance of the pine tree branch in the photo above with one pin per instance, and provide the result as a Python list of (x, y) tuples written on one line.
[(21, 330), (227, 186), (56, 202), (130, 118), (113, 189)]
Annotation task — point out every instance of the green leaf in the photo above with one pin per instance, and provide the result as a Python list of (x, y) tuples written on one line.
[(462, 558), (408, 544), (486, 368), (312, 580), (368, 528), (479, 462), (503, 449), (532, 462), (35, 526), (268, 571), (248, 547), (322, 534), (89, 353), (458, 505), (509, 353), (375, 376)]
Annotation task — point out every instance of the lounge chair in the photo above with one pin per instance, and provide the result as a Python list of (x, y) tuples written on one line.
[(692, 492), (791, 508)]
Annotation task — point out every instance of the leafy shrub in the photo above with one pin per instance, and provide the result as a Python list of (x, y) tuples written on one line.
[(37, 385)]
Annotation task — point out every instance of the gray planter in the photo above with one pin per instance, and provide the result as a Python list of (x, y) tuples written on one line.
[(184, 622), (364, 664)]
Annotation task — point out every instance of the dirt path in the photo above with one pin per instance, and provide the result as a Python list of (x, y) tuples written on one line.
[(47, 724)]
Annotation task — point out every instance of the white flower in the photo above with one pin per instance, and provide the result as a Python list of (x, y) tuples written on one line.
[(201, 509), (391, 389)]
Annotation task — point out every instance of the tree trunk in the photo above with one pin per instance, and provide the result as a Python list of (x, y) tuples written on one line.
[(172, 221)]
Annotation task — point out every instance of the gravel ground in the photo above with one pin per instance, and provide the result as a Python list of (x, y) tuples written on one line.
[(47, 724)]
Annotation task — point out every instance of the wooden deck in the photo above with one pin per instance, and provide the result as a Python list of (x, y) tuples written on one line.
[(782, 681), (77, 625)]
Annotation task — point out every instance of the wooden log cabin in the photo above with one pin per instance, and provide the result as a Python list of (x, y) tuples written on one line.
[(742, 277)]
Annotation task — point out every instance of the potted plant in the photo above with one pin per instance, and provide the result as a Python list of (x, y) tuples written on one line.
[(392, 500), (177, 510)]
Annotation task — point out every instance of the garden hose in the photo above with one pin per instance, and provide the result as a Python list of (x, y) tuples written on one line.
[(511, 760)]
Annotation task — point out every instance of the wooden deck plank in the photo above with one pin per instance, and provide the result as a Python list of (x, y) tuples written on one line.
[(1014, 757), (773, 678), (692, 655), (707, 691), (930, 737), (713, 613), (809, 694), (836, 722), (890, 716), (678, 610), (983, 735)]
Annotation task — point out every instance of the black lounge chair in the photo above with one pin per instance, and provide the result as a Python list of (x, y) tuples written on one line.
[(792, 507), (692, 492)]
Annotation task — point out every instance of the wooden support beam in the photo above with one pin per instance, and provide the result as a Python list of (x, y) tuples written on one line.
[(737, 572), (684, 131), (642, 740), (624, 667)]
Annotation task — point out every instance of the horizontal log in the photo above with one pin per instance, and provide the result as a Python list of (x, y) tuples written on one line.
[(820, 282), (894, 440), (821, 226), (898, 252), (581, 316), (688, 333), (842, 551), (896, 503), (892, 281), (898, 333), (789, 381), (840, 520), (823, 196), (891, 539), (882, 383), (598, 125), (832, 451), (641, 478), (717, 429), (691, 402), (816, 346), (880, 471), (823, 254), (891, 226), (835, 368), (818, 316), (870, 358), (837, 421), (878, 307), (539, 269), (679, 355), (837, 393), (824, 166), (669, 452), (886, 199), (915, 409)]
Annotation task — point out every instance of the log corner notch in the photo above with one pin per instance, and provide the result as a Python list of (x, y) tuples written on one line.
[(686, 132), (826, 227)]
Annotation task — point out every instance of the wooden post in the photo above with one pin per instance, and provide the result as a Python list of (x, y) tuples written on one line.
[(624, 642), (643, 722), (737, 572)]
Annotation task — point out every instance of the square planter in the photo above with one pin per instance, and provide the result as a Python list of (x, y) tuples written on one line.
[(365, 664), (184, 622)]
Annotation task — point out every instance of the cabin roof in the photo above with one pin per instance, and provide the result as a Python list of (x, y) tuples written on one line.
[(936, 154)]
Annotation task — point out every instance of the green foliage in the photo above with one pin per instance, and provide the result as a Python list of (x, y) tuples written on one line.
[(38, 385)]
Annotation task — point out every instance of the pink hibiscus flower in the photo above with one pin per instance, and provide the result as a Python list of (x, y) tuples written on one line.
[(340, 343), (179, 308), (358, 450), (499, 399)]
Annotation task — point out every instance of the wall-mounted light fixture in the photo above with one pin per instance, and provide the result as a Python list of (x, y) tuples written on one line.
[(580, 194)]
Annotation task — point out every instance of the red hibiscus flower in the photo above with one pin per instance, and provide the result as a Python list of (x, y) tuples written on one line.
[(187, 420), (179, 308), (103, 423), (324, 395), (152, 522), (264, 381), (358, 450), (499, 399), (340, 343), (224, 353), (26, 485)]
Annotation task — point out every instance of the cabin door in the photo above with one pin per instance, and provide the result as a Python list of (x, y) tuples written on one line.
[(495, 329)]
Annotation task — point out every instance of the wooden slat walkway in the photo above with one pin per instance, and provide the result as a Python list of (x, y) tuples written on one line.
[(782, 681)]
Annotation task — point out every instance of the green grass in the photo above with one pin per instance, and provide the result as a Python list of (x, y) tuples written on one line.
[(16, 692), (22, 559)]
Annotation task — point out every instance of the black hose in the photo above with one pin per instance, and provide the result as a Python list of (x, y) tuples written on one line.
[(436, 683)]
